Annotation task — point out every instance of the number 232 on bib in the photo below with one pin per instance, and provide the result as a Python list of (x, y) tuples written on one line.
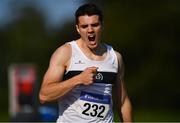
[(94, 105)]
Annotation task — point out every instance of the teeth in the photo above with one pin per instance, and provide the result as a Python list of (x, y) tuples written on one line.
[(91, 35)]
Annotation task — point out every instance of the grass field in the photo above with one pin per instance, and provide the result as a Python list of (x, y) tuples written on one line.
[(141, 115), (156, 115)]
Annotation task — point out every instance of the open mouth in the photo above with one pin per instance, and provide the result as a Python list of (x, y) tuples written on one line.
[(91, 37)]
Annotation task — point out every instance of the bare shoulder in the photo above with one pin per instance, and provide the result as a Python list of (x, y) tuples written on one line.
[(61, 55), (65, 48), (119, 56)]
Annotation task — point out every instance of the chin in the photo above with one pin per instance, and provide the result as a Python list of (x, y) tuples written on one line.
[(93, 46)]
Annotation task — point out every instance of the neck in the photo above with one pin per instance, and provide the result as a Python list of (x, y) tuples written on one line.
[(98, 51)]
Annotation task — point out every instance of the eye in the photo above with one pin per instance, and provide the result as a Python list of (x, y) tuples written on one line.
[(84, 26), (95, 25)]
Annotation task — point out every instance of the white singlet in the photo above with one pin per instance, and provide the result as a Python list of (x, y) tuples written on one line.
[(89, 103)]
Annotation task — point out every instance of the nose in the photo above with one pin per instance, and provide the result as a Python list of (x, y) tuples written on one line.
[(90, 29)]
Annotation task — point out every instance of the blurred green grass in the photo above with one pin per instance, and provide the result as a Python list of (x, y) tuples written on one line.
[(140, 115), (153, 115), (156, 115), (4, 116)]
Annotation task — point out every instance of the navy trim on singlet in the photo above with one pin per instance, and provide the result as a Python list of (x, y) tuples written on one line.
[(101, 77)]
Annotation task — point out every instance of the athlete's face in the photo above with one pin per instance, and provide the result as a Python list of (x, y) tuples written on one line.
[(89, 28)]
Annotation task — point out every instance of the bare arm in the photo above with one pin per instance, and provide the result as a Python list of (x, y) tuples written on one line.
[(53, 87), (123, 103)]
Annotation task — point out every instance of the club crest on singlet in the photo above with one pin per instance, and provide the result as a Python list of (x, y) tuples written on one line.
[(99, 76)]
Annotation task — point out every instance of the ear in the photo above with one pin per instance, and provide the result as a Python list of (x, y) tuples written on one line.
[(77, 28)]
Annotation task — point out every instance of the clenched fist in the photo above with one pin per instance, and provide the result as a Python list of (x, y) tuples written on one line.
[(87, 76)]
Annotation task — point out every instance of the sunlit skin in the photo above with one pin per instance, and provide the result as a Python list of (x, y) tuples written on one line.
[(89, 26)]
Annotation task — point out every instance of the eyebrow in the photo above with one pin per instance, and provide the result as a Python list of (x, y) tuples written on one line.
[(93, 24)]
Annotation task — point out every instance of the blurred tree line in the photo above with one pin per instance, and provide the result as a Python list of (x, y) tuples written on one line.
[(146, 33)]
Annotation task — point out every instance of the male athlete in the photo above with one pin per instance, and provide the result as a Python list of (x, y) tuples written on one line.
[(82, 73)]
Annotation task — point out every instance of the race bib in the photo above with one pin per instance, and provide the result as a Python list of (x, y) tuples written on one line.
[(94, 105)]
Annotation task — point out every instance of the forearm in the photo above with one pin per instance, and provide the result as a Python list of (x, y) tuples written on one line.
[(55, 90), (126, 111)]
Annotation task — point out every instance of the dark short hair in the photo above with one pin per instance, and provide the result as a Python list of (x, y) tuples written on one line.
[(88, 9)]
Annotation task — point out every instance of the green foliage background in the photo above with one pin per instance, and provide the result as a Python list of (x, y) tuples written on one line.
[(145, 32)]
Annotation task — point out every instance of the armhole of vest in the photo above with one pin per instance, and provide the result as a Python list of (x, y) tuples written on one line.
[(70, 63), (115, 56), (113, 53)]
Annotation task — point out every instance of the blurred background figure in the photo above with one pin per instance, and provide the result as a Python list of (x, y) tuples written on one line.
[(22, 79)]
